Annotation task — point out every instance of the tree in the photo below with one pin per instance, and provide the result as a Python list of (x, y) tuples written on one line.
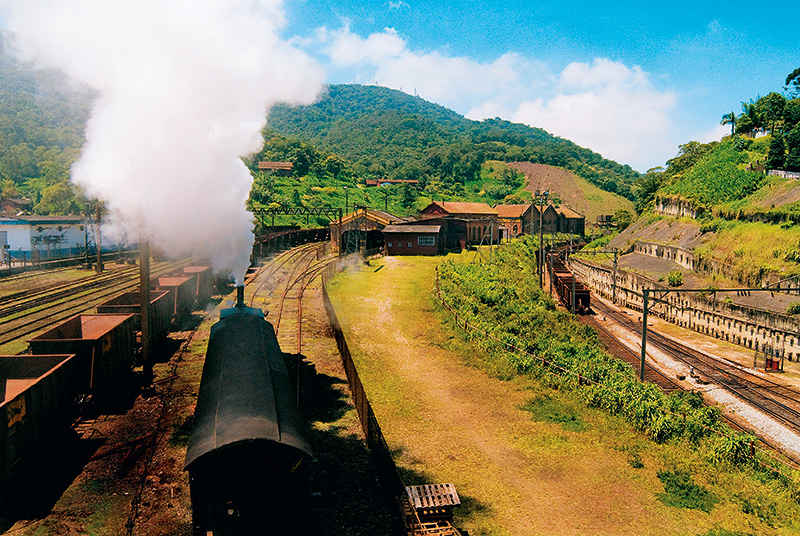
[(770, 109), (8, 189), (750, 119), (60, 198), (793, 150), (409, 196), (793, 83), (729, 119), (791, 115), (622, 218), (646, 187), (777, 152)]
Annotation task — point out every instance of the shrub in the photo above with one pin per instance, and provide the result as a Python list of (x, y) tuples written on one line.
[(675, 278)]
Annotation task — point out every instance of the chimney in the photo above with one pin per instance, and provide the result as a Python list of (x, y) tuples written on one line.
[(240, 296)]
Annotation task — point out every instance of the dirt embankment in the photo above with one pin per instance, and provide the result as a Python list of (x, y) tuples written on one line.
[(574, 192)]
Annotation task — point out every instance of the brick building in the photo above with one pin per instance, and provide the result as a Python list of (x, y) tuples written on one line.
[(413, 240), (482, 223)]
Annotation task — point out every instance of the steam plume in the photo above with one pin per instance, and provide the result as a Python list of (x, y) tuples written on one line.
[(184, 88)]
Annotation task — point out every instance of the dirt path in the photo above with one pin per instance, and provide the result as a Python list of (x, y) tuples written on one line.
[(453, 423)]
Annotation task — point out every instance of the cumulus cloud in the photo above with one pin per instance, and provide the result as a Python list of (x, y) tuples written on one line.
[(183, 90), (385, 57), (607, 106)]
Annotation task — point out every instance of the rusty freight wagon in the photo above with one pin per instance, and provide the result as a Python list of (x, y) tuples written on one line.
[(37, 406), (103, 346), (160, 310), (182, 289), (204, 281)]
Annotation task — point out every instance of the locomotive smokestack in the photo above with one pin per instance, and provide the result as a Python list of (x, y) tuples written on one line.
[(240, 296)]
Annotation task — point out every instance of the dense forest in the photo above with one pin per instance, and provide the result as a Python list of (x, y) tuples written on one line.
[(380, 133), (42, 119)]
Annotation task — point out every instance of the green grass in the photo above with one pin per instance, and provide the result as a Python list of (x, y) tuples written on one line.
[(680, 491), (565, 413)]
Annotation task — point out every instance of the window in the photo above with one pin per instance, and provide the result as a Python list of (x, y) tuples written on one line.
[(390, 244), (426, 240), (409, 244)]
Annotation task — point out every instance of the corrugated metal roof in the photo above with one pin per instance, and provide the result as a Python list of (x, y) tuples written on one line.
[(412, 229)]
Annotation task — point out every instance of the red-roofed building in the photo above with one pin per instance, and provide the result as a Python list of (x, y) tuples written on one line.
[(413, 239), (283, 169), (482, 224), (516, 218)]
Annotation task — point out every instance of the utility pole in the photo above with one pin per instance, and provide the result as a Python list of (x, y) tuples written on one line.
[(645, 291), (144, 288), (99, 214), (541, 199)]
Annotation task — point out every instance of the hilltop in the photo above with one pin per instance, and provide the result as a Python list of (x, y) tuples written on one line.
[(384, 133)]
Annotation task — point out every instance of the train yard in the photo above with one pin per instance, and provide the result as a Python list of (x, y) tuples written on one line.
[(139, 447), (151, 494), (697, 370)]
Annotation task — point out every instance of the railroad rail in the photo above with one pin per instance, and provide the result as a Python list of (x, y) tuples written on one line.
[(620, 351), (774, 399), (284, 280), (46, 306)]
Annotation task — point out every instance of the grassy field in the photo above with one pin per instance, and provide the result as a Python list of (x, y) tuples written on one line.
[(525, 459)]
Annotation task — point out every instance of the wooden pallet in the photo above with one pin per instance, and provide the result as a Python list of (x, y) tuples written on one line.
[(428, 509)]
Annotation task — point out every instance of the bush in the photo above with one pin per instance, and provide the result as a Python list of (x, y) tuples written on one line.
[(675, 278)]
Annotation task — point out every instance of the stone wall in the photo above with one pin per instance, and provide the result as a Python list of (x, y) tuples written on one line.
[(765, 331)]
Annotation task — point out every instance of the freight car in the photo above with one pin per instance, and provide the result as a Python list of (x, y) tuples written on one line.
[(247, 456), (567, 285), (182, 289), (159, 309), (103, 346), (37, 406)]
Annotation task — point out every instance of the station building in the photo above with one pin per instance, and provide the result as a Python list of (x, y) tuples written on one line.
[(483, 226), (39, 238)]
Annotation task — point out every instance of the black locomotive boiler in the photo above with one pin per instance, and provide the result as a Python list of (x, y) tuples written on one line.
[(247, 457)]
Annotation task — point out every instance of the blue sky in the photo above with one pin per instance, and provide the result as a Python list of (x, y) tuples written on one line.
[(630, 80)]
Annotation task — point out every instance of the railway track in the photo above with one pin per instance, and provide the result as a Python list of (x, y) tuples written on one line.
[(620, 351), (40, 308), (284, 279), (774, 399)]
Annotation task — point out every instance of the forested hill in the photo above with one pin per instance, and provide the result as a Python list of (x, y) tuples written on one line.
[(42, 119), (385, 133)]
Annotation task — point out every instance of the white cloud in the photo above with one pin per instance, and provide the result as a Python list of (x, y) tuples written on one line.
[(607, 106)]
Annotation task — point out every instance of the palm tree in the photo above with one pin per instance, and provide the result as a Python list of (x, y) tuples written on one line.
[(729, 119)]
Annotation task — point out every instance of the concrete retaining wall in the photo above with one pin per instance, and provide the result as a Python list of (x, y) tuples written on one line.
[(765, 331)]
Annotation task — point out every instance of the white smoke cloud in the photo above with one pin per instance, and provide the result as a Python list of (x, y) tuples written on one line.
[(184, 88)]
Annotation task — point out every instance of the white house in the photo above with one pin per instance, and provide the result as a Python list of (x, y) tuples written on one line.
[(45, 237)]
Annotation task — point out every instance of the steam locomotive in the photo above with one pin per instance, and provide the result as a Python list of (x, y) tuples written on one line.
[(247, 456)]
